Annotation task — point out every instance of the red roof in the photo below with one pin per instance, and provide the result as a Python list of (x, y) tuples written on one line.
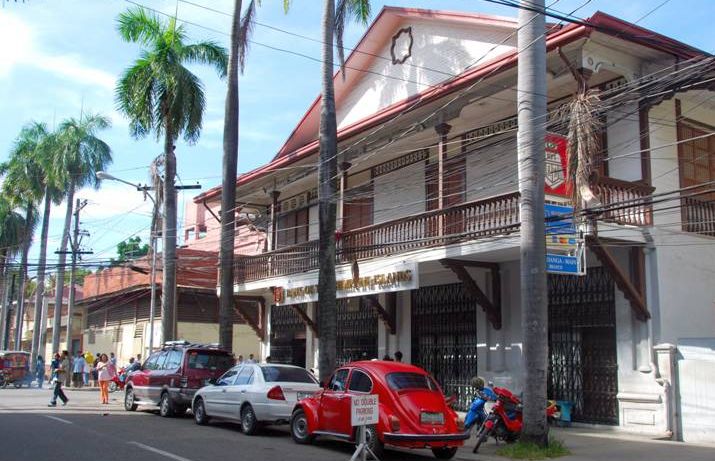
[(600, 22)]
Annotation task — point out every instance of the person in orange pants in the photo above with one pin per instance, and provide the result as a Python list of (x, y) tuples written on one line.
[(104, 375)]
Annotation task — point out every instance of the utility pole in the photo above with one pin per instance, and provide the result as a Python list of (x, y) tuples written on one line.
[(75, 245), (531, 109)]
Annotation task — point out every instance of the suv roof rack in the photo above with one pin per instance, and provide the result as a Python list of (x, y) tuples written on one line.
[(187, 345)]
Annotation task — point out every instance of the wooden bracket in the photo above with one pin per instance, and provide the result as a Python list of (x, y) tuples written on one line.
[(203, 202), (387, 317), (622, 281), (255, 324), (306, 319), (491, 307)]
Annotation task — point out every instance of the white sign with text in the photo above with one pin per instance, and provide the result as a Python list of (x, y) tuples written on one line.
[(364, 410)]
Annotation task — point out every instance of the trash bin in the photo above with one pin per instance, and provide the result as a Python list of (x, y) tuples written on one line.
[(566, 407)]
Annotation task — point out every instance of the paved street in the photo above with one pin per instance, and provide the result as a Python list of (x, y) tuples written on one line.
[(86, 430)]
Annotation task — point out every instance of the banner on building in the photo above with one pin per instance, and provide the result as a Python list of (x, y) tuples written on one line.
[(556, 166), (370, 280)]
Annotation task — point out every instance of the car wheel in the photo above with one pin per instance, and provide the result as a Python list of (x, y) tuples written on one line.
[(112, 386), (17, 384), (373, 441), (299, 427), (129, 400), (444, 452), (166, 409), (249, 424), (200, 415)]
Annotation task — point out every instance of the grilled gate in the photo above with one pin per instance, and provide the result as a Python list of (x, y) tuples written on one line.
[(583, 367), (444, 338), (357, 331), (287, 336)]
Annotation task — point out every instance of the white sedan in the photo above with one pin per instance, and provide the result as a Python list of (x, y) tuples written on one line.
[(254, 394)]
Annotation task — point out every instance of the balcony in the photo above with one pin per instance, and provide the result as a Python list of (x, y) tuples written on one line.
[(461, 223), (698, 215)]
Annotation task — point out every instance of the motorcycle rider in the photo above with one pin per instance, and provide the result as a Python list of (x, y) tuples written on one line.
[(476, 414)]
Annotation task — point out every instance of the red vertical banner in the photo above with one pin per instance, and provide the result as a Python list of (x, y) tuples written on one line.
[(556, 165)]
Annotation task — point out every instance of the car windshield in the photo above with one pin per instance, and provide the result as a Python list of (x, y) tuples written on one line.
[(287, 375), (200, 360), (404, 380)]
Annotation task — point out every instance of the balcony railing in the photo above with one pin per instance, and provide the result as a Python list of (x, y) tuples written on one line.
[(698, 215), (626, 202), (475, 220)]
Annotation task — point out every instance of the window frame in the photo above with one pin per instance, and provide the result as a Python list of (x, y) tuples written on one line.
[(364, 373)]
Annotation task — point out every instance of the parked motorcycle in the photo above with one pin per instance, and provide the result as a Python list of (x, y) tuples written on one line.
[(477, 413), (118, 381), (504, 421)]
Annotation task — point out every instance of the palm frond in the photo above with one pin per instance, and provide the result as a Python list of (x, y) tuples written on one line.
[(138, 25), (583, 146), (245, 33), (207, 52)]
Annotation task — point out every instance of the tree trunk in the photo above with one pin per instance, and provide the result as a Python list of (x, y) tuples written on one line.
[(326, 203), (531, 108), (168, 288), (4, 304), (40, 293), (228, 189), (26, 244), (60, 278)]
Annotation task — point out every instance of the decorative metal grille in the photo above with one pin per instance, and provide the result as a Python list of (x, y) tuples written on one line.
[(583, 365), (444, 338), (357, 331), (287, 336)]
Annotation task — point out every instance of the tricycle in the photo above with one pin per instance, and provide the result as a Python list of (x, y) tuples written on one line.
[(15, 369)]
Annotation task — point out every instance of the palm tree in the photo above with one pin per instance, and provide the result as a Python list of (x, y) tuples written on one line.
[(79, 154), (240, 32), (158, 94), (24, 186), (333, 26), (12, 230)]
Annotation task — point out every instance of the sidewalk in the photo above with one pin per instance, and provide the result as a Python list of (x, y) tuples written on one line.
[(588, 444)]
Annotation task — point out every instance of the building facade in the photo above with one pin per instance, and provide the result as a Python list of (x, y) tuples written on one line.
[(428, 218)]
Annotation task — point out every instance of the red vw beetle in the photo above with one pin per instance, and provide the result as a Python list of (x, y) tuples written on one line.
[(413, 410)]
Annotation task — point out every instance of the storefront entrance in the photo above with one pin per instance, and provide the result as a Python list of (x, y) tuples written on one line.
[(357, 331), (287, 336), (444, 338), (583, 366)]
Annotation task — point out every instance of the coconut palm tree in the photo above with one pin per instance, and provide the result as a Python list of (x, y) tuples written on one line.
[(12, 230), (78, 154), (160, 95), (334, 20), (240, 32), (24, 186)]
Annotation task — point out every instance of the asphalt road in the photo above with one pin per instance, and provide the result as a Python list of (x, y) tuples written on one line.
[(86, 430)]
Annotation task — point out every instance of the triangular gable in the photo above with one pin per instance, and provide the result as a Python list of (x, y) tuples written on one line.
[(403, 53)]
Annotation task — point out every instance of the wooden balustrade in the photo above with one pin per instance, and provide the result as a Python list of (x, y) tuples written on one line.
[(625, 202), (698, 215)]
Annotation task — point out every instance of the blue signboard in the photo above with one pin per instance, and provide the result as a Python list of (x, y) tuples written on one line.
[(559, 219), (562, 264)]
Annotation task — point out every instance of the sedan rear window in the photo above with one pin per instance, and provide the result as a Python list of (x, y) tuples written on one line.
[(199, 360), (287, 375), (404, 380)]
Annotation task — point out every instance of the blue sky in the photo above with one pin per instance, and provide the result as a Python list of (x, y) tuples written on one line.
[(58, 57)]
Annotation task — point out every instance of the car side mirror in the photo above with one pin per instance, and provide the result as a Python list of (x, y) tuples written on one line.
[(212, 381)]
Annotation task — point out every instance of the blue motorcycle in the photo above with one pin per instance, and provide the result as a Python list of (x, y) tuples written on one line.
[(476, 414)]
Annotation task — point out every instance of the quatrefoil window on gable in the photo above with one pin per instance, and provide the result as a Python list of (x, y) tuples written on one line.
[(401, 48)]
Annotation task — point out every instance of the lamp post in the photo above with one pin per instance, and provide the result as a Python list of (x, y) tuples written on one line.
[(152, 244)]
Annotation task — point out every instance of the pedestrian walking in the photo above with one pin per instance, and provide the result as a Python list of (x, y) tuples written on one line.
[(250, 359), (85, 373), (112, 359), (104, 375), (240, 359), (95, 379), (40, 371), (67, 367), (57, 378), (398, 356), (78, 370)]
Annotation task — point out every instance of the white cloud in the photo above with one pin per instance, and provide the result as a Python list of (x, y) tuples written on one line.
[(17, 48)]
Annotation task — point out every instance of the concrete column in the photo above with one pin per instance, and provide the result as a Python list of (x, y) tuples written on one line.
[(311, 341), (265, 346), (404, 325), (665, 360)]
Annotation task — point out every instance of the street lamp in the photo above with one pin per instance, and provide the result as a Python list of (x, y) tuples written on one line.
[(152, 244)]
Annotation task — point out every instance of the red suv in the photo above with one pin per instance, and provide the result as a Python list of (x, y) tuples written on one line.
[(170, 377)]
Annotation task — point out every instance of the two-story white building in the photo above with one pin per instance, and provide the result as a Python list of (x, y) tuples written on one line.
[(428, 218)]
